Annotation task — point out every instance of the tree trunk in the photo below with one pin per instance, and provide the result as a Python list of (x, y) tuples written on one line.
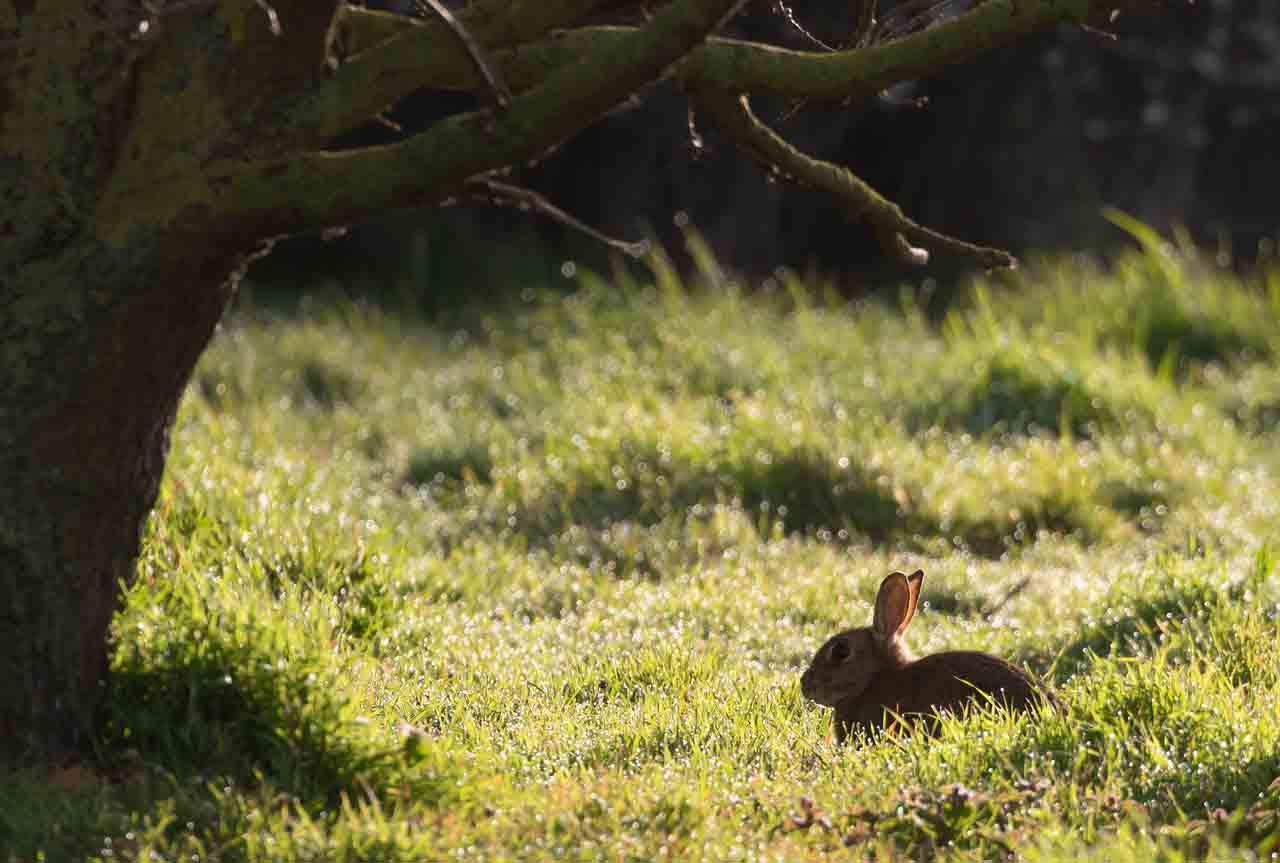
[(96, 356), (111, 284)]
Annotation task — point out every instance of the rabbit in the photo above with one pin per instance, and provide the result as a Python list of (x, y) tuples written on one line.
[(871, 679)]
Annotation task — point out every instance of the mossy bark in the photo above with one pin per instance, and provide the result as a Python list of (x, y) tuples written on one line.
[(103, 313), (94, 373)]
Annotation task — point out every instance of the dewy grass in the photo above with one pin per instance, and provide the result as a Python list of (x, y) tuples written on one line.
[(538, 581)]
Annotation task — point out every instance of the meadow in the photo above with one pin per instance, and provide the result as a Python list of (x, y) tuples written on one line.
[(537, 579)]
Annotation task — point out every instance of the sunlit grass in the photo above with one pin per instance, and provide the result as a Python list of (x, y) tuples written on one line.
[(537, 580)]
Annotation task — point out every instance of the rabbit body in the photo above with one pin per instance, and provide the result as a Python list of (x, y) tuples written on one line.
[(868, 675), (941, 682)]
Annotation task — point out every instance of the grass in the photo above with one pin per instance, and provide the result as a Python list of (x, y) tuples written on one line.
[(537, 581)]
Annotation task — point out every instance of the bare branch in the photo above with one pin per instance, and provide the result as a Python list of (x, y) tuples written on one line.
[(505, 194), (498, 90), (912, 15), (892, 227), (780, 7), (319, 189), (273, 20), (1010, 594), (864, 20)]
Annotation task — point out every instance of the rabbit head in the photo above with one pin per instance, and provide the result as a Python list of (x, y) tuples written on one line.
[(845, 666)]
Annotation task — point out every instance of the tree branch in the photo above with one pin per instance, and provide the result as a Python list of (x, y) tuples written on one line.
[(859, 72), (497, 90), (320, 189), (745, 67), (390, 67), (860, 201), (365, 29), (499, 194), (428, 56)]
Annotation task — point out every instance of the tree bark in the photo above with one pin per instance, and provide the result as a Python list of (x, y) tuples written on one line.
[(102, 317), (89, 398)]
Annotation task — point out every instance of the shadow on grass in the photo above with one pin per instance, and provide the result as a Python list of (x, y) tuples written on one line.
[(800, 492), (1166, 328), (313, 381), (808, 492), (198, 745), (1132, 633), (1011, 397), (327, 385), (430, 465), (209, 707), (1134, 625), (1257, 419), (1133, 501)]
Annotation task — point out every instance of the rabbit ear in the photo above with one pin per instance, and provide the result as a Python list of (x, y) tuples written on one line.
[(895, 605), (914, 581)]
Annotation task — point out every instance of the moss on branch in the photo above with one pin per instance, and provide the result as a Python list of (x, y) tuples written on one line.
[(892, 227), (566, 80), (753, 67), (319, 189), (747, 67), (398, 55)]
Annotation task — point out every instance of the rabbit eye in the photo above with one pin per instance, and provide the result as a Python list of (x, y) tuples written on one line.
[(840, 651)]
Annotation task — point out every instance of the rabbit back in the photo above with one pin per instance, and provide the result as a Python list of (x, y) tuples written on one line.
[(952, 682)]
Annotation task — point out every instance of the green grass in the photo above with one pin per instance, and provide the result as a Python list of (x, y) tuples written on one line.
[(537, 581)]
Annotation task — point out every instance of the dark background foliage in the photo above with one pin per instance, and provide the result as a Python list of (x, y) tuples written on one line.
[(1175, 122)]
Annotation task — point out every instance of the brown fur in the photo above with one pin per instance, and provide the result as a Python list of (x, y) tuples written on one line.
[(868, 675)]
